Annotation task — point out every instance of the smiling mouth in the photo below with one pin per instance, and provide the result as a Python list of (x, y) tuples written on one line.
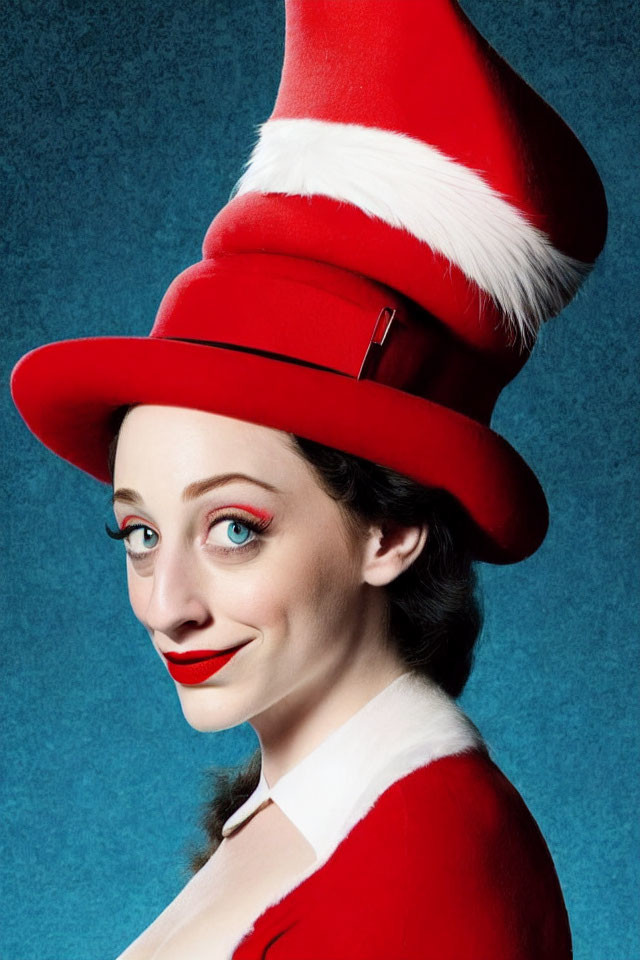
[(199, 656), (194, 666)]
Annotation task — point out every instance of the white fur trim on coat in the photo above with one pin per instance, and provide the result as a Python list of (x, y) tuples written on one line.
[(406, 726), (409, 724), (414, 186)]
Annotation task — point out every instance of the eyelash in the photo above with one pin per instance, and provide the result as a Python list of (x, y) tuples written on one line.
[(256, 526), (124, 533)]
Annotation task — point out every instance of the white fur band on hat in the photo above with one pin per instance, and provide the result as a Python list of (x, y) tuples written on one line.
[(414, 186)]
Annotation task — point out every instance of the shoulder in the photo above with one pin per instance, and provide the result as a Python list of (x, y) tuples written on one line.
[(455, 802), (469, 862), (447, 864), (462, 802), (466, 835), (449, 808)]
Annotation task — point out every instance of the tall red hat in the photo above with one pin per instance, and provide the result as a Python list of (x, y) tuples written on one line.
[(410, 215)]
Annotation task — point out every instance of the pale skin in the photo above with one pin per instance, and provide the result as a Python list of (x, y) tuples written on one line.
[(305, 590)]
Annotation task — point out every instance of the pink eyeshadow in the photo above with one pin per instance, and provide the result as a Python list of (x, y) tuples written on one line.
[(261, 514), (126, 520)]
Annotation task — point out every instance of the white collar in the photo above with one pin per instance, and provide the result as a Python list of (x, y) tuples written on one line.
[(411, 722)]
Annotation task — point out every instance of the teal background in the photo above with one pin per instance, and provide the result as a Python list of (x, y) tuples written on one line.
[(126, 126)]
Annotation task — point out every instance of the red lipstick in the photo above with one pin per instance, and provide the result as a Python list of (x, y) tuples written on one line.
[(195, 666)]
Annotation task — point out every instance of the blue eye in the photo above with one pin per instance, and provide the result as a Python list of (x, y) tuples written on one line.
[(147, 540), (136, 534), (230, 534), (238, 532)]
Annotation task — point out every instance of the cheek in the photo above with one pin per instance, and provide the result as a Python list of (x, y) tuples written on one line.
[(304, 588), (258, 599), (139, 588)]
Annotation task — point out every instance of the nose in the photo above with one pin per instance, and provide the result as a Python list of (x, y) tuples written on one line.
[(177, 603)]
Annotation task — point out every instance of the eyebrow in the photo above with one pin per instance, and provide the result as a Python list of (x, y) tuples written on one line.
[(196, 489)]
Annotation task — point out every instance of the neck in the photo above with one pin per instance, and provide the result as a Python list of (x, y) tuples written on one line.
[(297, 723)]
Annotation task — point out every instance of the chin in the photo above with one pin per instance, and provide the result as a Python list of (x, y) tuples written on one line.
[(204, 710)]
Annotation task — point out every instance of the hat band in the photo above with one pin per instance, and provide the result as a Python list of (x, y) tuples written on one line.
[(442, 384), (310, 311), (325, 318), (367, 368), (261, 353)]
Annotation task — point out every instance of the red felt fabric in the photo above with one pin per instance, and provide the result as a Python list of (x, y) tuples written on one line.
[(448, 865), (416, 68), (320, 314), (322, 229), (421, 68), (296, 308), (68, 405)]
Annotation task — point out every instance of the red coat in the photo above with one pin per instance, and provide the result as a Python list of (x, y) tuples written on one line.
[(449, 864)]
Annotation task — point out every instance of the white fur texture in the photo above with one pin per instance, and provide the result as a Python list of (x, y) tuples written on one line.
[(414, 186), (411, 722)]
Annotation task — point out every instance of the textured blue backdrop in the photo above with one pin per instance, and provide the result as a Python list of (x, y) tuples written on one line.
[(126, 128)]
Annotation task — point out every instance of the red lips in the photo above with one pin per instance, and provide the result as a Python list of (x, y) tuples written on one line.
[(195, 666)]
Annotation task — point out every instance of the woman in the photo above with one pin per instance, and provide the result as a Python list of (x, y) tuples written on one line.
[(368, 290)]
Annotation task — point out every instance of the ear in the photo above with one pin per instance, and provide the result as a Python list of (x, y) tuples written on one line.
[(390, 549)]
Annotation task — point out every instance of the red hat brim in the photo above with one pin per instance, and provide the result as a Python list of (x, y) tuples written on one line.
[(67, 392)]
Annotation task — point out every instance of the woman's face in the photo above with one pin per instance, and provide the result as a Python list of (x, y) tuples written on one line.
[(238, 549)]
